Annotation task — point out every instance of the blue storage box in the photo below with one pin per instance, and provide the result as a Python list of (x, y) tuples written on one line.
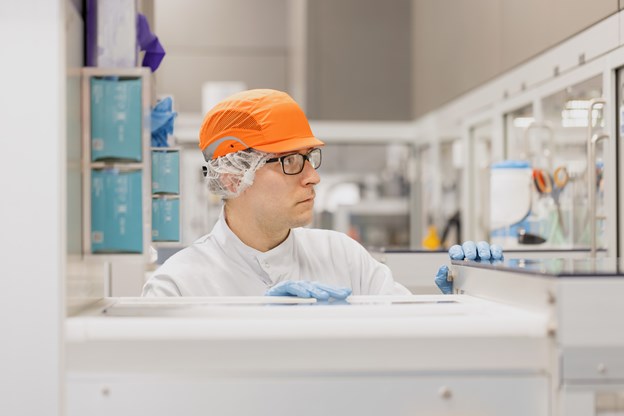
[(116, 211), (165, 219), (165, 171), (116, 116)]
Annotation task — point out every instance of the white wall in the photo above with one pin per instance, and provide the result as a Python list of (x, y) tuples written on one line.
[(32, 217), (215, 40), (358, 60), (459, 45)]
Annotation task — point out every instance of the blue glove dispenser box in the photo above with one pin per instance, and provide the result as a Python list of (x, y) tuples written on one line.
[(116, 115), (165, 171), (165, 219), (116, 211)]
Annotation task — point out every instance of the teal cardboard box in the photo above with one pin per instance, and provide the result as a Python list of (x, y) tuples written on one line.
[(165, 219), (116, 119), (165, 171), (116, 211)]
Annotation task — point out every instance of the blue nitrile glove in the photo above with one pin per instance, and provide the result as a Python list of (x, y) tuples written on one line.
[(468, 250), (161, 118), (306, 289), (442, 282), (476, 251)]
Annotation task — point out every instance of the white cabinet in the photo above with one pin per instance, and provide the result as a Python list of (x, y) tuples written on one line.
[(370, 355), (310, 395)]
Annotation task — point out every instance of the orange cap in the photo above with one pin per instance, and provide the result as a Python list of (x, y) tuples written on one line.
[(266, 120)]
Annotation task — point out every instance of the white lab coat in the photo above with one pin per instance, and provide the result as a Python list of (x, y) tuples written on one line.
[(220, 264)]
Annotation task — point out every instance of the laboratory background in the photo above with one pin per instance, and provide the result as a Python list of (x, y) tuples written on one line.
[(443, 121)]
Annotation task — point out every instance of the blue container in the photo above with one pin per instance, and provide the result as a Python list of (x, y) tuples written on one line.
[(116, 211), (165, 171), (116, 119), (165, 219)]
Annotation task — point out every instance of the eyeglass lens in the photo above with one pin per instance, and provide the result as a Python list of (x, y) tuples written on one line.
[(293, 164)]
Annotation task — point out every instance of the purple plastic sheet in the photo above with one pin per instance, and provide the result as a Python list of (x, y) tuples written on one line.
[(91, 29), (148, 42)]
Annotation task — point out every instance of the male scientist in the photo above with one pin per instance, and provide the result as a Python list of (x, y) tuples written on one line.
[(262, 159)]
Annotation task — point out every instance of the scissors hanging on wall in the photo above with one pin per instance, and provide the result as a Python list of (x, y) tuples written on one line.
[(553, 186)]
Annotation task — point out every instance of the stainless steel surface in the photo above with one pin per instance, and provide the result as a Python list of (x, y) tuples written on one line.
[(592, 188), (564, 267), (591, 173)]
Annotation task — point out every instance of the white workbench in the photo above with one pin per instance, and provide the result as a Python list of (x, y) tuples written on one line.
[(520, 337), (369, 356)]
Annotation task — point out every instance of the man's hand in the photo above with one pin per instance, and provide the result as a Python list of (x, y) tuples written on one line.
[(443, 282), (476, 251), (469, 251), (306, 289)]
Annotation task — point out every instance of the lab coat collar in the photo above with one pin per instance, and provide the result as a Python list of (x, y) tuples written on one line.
[(278, 257)]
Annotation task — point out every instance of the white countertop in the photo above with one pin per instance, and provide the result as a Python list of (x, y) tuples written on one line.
[(289, 317), (259, 335)]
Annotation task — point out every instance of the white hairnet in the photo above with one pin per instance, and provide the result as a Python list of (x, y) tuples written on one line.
[(229, 175)]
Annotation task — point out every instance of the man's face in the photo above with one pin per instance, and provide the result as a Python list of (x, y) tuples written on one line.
[(279, 201)]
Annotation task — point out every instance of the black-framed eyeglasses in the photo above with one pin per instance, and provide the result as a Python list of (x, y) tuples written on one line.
[(293, 163)]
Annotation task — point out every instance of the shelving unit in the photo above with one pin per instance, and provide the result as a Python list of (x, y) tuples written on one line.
[(165, 187), (121, 166)]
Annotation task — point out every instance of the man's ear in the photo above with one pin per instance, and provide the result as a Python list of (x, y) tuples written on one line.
[(229, 182)]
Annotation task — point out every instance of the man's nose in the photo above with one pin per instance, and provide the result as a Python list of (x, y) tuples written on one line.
[(309, 175)]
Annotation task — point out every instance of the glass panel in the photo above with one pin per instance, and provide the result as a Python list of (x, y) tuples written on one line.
[(450, 183), (439, 177), (510, 181), (564, 212), (481, 159), (426, 175), (516, 127)]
